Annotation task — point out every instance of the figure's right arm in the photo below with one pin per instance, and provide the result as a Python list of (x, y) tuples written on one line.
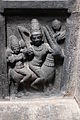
[(23, 32), (25, 35)]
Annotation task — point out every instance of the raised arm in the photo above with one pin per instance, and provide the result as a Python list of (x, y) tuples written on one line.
[(51, 41), (25, 35)]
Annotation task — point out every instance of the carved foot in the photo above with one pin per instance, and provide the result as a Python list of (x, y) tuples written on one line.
[(38, 84), (26, 78)]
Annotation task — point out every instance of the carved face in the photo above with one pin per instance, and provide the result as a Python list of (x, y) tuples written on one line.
[(14, 43), (16, 49), (56, 25), (36, 39), (15, 46)]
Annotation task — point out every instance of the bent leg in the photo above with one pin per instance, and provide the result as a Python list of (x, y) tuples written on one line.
[(26, 78), (38, 84)]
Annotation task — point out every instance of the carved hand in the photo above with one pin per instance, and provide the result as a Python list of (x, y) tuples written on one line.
[(24, 50), (19, 57), (61, 35), (30, 51), (11, 59)]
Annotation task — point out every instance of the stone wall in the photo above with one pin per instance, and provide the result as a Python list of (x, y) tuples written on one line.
[(71, 63), (77, 12)]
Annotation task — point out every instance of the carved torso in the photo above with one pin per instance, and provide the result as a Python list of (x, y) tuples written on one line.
[(39, 55)]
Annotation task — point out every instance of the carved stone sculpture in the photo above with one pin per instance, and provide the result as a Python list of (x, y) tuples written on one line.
[(31, 61), (15, 58), (58, 33)]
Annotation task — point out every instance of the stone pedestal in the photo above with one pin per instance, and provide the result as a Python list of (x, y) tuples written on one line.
[(40, 109)]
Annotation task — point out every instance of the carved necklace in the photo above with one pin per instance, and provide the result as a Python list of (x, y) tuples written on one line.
[(39, 48)]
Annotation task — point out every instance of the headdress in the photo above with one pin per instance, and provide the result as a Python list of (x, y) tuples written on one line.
[(35, 27), (13, 41)]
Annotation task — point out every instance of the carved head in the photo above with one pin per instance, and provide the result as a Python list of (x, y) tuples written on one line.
[(36, 32), (56, 25), (14, 43)]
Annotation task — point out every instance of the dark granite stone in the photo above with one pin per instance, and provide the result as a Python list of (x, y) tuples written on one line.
[(3, 65), (64, 9), (50, 103)]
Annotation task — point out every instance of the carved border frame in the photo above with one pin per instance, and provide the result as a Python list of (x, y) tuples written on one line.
[(68, 71)]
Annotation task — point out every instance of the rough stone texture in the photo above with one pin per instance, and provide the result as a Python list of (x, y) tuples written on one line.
[(5, 5), (40, 109), (68, 79), (14, 21), (77, 11), (69, 75), (77, 92), (3, 65), (70, 66), (48, 108), (35, 4)]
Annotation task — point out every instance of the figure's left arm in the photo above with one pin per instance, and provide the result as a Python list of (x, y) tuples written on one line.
[(52, 44), (56, 51)]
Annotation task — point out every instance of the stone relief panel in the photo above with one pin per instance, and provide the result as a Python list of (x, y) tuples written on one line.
[(35, 55)]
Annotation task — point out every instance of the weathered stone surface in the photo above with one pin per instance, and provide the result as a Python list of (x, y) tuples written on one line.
[(59, 4), (77, 96), (15, 28), (35, 4), (3, 65), (72, 52), (77, 92), (76, 18), (46, 108), (37, 109)]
